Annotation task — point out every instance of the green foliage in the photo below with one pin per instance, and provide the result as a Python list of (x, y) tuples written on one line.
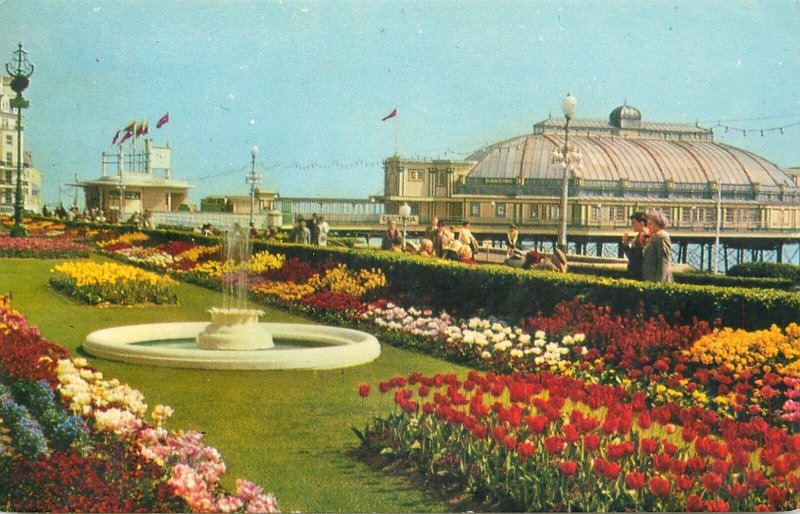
[(767, 269), (514, 293)]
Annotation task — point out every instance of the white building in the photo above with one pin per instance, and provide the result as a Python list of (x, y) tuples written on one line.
[(31, 177)]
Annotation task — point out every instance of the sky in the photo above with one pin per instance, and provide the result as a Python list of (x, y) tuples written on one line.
[(308, 82)]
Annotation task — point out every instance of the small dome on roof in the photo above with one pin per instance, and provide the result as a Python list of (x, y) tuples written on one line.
[(625, 116)]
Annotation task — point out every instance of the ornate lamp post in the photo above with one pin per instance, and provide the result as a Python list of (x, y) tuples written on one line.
[(253, 179), (405, 213), (19, 69), (569, 159)]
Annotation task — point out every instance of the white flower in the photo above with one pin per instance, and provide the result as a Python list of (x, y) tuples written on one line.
[(584, 351), (539, 360), (539, 334), (474, 322), (524, 339), (497, 327), (516, 353), (567, 340), (579, 338), (486, 355), (539, 342)]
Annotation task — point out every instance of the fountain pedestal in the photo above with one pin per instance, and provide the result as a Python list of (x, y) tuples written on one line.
[(235, 329)]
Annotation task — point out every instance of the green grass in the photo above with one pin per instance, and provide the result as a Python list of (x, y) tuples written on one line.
[(285, 430)]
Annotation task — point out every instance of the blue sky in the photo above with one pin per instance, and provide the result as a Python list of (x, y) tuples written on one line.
[(308, 82)]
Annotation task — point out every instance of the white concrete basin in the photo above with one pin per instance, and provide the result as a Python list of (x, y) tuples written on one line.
[(141, 344)]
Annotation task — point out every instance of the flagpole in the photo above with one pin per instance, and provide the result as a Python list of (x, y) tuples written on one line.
[(396, 136)]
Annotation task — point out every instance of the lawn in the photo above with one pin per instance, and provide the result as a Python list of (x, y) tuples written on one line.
[(285, 430)]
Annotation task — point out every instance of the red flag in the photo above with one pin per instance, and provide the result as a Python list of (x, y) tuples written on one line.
[(391, 115), (116, 136), (130, 126), (128, 135), (163, 121)]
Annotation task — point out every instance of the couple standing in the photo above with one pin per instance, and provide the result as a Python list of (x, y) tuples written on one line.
[(649, 252)]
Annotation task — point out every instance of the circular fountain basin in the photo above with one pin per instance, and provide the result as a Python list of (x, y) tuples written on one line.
[(173, 345), (235, 329)]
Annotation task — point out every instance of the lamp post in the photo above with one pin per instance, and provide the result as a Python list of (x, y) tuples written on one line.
[(405, 213), (568, 159), (20, 70), (719, 225), (253, 179)]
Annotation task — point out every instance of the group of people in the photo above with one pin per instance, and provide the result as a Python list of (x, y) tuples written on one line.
[(312, 231), (439, 240), (649, 249)]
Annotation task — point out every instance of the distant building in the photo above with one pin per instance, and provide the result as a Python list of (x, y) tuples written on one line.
[(239, 204), (627, 165), (31, 177), (135, 181)]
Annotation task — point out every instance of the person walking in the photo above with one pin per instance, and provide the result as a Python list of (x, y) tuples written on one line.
[(467, 239), (512, 237), (633, 246), (323, 229), (657, 255), (392, 239)]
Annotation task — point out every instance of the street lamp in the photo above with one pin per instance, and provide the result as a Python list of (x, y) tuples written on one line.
[(719, 225), (19, 68), (569, 159), (253, 179), (405, 213)]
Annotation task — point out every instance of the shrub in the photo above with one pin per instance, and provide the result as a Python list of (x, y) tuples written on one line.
[(767, 269)]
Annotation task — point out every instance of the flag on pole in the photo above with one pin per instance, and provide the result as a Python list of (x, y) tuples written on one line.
[(130, 126), (116, 136), (139, 129), (390, 115), (146, 128), (163, 121), (128, 135)]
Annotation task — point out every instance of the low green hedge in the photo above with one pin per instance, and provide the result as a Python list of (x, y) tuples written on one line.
[(704, 279), (767, 269), (513, 293)]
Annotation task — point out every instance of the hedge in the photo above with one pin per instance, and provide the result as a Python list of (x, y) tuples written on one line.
[(767, 269), (703, 279), (513, 293)]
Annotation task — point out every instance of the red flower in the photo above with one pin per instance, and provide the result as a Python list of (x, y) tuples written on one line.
[(571, 434), (684, 482), (659, 487), (634, 480), (777, 497), (510, 442), (696, 465), (554, 445), (537, 424), (711, 481), (606, 469), (525, 450), (738, 491), (717, 506), (591, 442), (363, 390), (569, 468), (649, 446), (695, 504), (661, 462)]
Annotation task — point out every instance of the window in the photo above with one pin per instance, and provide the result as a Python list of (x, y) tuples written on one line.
[(534, 212), (551, 212), (500, 210), (133, 195), (8, 177), (441, 179), (9, 158), (475, 209), (7, 196), (9, 139), (415, 175)]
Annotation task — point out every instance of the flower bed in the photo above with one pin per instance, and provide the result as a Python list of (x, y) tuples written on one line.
[(95, 283), (41, 248), (540, 442), (71, 440)]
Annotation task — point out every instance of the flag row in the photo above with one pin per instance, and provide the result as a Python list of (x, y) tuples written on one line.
[(134, 129)]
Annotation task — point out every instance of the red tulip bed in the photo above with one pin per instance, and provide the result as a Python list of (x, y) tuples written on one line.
[(73, 441), (46, 240), (582, 409)]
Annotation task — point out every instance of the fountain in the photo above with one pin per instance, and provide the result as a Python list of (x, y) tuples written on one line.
[(234, 339)]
